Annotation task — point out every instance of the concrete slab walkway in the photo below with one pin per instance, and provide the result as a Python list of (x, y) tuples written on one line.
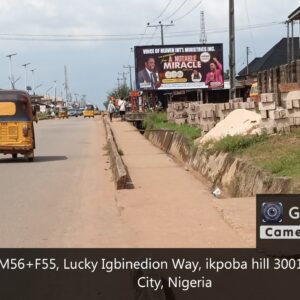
[(169, 207)]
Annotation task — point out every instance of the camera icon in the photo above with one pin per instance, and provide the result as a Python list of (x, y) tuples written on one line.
[(272, 212)]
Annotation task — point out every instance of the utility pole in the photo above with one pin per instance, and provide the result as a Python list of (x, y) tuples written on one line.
[(76, 98), (203, 36), (33, 81), (83, 99), (232, 50), (66, 85), (161, 29), (118, 85), (55, 89), (11, 76), (25, 66), (293, 50), (123, 77), (50, 88), (288, 41), (130, 75), (247, 56)]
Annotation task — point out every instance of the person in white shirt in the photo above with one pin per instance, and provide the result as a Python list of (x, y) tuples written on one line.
[(122, 106), (111, 109)]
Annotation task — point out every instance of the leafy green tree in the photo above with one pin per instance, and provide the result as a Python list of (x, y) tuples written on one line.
[(122, 92)]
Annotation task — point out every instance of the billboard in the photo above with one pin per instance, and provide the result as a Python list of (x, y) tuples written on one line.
[(171, 67)]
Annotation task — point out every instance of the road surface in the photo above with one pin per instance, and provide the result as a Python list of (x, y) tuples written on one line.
[(67, 198)]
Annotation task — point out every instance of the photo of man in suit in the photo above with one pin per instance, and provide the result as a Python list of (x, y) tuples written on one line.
[(148, 77)]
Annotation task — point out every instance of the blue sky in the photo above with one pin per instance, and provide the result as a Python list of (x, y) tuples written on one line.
[(94, 65)]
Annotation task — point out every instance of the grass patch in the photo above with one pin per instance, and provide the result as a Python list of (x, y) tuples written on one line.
[(280, 154), (42, 115), (159, 121), (238, 142)]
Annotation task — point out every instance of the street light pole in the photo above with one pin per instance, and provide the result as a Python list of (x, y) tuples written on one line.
[(76, 99), (11, 76), (25, 66), (50, 88), (33, 81), (55, 87)]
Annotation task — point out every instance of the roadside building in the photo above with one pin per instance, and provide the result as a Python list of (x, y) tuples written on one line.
[(276, 56)]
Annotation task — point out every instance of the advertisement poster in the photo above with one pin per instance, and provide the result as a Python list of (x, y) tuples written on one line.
[(170, 67)]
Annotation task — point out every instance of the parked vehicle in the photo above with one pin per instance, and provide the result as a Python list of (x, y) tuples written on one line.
[(63, 113), (89, 111), (73, 113), (80, 111), (16, 124)]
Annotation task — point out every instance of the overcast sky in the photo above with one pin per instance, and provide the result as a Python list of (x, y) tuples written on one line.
[(93, 66)]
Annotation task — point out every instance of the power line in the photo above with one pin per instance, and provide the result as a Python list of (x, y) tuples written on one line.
[(223, 30), (130, 53), (72, 35), (176, 10), (163, 11), (14, 37), (135, 35), (249, 23), (189, 12), (162, 26), (152, 36), (143, 35)]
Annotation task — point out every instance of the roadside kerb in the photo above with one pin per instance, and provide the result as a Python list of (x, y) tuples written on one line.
[(119, 170)]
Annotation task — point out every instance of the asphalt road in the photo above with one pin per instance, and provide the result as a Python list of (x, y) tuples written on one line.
[(66, 197)]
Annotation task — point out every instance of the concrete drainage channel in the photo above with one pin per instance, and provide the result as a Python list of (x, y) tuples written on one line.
[(120, 173), (238, 178)]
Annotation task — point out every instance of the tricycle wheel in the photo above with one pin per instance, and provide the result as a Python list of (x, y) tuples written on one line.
[(30, 156), (14, 156)]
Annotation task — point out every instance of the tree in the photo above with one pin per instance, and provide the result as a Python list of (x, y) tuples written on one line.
[(122, 92)]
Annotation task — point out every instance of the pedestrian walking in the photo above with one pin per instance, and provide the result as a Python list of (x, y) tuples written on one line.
[(111, 108), (122, 106)]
